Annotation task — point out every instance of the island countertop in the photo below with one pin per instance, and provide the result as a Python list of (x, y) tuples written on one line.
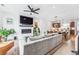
[(44, 38)]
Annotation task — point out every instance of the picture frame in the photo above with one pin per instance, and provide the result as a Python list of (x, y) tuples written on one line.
[(9, 20)]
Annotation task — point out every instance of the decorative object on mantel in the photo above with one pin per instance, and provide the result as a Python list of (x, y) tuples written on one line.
[(6, 32)]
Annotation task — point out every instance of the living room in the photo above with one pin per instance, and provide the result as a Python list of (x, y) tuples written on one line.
[(44, 26)]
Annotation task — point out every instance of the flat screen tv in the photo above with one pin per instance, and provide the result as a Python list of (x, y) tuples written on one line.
[(26, 20)]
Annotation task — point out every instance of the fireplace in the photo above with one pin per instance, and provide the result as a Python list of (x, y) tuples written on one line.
[(26, 31)]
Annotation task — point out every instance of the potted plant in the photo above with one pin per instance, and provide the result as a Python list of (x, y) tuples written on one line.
[(6, 32)]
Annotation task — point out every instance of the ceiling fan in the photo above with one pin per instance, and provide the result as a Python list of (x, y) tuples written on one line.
[(32, 10)]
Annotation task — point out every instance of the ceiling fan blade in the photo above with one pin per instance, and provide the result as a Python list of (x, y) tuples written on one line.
[(37, 9), (27, 11), (29, 7), (35, 12)]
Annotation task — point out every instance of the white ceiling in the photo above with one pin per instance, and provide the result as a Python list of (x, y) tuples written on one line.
[(47, 11)]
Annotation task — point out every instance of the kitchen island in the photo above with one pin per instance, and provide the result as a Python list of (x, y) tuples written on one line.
[(42, 45)]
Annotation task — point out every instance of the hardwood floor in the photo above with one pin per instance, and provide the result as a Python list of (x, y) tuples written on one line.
[(67, 48)]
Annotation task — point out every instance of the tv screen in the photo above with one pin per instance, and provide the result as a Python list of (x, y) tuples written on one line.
[(26, 20)]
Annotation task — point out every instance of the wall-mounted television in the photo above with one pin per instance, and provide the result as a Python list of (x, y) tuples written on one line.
[(26, 20)]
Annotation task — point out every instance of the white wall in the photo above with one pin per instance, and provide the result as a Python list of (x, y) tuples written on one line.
[(46, 14)]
